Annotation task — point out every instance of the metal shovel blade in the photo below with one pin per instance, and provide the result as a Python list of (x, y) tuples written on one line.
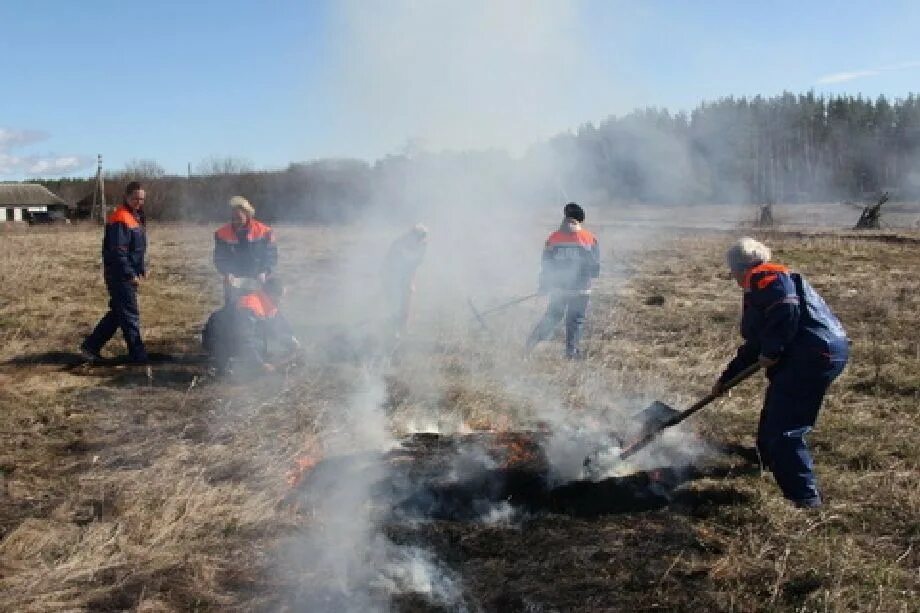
[(650, 419), (654, 416)]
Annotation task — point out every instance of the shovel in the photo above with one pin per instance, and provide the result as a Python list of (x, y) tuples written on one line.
[(480, 315), (662, 416), (658, 416)]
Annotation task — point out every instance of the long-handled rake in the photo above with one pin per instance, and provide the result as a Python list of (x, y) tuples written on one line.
[(480, 315)]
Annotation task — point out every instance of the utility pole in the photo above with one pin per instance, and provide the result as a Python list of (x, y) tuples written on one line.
[(98, 211)]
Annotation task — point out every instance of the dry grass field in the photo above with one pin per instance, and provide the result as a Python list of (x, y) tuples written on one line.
[(119, 492)]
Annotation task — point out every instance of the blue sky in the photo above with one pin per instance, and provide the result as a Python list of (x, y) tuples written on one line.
[(274, 81)]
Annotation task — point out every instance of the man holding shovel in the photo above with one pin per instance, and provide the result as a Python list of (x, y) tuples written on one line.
[(792, 333), (571, 260)]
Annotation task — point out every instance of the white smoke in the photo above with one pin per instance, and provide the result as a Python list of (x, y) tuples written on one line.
[(447, 77), (411, 570), (343, 560), (466, 75)]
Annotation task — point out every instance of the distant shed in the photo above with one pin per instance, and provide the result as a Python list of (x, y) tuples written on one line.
[(83, 208), (19, 199)]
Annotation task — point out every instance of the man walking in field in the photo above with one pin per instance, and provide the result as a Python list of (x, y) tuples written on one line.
[(400, 266), (123, 248), (571, 260), (244, 248)]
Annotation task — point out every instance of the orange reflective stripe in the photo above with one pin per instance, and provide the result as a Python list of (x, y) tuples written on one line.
[(584, 234), (226, 233), (260, 303), (767, 280), (769, 267), (258, 230), (123, 215), (582, 238), (255, 231)]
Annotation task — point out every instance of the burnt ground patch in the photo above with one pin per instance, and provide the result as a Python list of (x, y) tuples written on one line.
[(465, 477), (521, 542)]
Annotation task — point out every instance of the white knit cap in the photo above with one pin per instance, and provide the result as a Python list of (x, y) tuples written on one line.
[(746, 253), (238, 202)]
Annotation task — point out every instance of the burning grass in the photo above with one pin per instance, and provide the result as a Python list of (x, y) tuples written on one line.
[(121, 492)]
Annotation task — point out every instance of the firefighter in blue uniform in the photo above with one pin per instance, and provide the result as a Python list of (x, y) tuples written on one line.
[(244, 249), (123, 249), (571, 260), (245, 330), (789, 329)]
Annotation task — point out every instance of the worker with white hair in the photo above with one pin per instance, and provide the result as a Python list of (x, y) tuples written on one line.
[(244, 249), (403, 258), (789, 329)]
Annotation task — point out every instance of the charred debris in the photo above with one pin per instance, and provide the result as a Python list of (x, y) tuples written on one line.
[(471, 477)]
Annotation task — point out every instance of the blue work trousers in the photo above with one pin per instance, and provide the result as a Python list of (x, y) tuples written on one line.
[(571, 307), (797, 387), (123, 313)]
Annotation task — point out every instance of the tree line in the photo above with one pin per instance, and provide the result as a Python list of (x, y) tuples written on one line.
[(789, 148)]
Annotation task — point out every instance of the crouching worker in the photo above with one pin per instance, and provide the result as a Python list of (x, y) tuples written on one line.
[(241, 335), (790, 330), (571, 260)]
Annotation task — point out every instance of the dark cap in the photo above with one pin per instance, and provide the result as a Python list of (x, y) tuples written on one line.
[(573, 211)]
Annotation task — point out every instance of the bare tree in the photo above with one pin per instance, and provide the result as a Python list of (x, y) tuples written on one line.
[(137, 169), (228, 165)]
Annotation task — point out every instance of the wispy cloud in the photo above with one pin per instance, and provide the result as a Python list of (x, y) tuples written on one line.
[(18, 138), (843, 77), (12, 164)]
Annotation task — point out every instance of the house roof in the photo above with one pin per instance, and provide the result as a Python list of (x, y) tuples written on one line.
[(27, 194)]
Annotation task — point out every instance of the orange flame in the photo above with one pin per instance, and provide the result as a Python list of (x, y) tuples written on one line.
[(303, 464), (517, 449)]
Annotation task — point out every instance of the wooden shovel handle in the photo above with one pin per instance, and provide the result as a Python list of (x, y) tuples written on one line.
[(648, 437)]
